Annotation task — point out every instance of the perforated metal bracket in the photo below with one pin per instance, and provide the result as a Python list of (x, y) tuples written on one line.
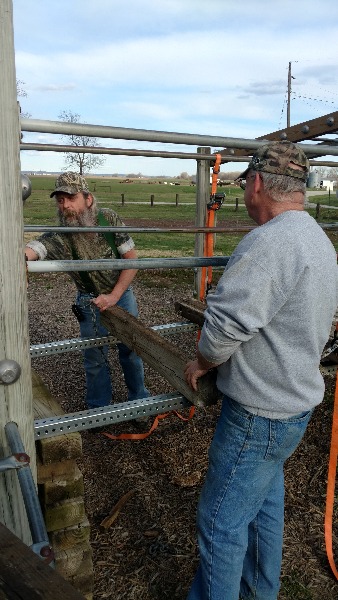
[(16, 461)]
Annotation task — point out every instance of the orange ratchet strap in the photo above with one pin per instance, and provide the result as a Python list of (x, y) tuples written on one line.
[(214, 204), (143, 436), (331, 482)]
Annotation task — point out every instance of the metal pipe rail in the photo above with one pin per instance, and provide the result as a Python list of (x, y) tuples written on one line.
[(148, 153), (68, 266), (122, 151), (125, 133), (58, 229), (34, 514), (240, 229)]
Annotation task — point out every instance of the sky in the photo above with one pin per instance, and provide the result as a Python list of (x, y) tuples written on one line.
[(213, 67)]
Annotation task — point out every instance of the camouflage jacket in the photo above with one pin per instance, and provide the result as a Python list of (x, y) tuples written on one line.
[(86, 246)]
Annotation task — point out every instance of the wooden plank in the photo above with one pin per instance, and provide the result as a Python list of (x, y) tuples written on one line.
[(62, 489), (70, 536), (62, 447), (75, 561), (65, 469), (24, 575), (44, 404), (193, 310), (162, 356), (307, 130), (64, 514)]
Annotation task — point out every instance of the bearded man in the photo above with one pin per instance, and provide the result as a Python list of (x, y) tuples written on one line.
[(96, 290)]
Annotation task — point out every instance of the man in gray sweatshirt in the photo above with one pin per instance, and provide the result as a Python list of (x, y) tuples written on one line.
[(265, 328)]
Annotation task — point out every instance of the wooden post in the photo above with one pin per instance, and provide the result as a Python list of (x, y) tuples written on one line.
[(236, 206), (202, 199), (177, 198), (16, 402), (152, 200), (122, 199)]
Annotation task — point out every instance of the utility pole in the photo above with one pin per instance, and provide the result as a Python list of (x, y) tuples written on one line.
[(289, 97)]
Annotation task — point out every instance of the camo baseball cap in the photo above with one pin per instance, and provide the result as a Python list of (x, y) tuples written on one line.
[(70, 183), (279, 158)]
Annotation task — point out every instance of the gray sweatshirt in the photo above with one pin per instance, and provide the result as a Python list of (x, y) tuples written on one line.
[(270, 317)]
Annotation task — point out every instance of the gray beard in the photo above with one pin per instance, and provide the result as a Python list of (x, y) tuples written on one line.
[(87, 218)]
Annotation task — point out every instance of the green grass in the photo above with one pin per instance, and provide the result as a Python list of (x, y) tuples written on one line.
[(39, 209)]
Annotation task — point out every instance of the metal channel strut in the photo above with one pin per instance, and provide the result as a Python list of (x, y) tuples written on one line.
[(71, 345), (108, 415)]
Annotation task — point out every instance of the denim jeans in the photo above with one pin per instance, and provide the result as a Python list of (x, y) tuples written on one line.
[(240, 516), (98, 376)]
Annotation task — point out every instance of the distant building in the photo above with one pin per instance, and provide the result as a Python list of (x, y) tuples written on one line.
[(326, 184)]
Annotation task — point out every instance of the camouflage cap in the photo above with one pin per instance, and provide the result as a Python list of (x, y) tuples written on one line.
[(70, 183), (279, 158)]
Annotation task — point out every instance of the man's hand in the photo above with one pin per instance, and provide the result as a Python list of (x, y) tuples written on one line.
[(104, 301), (192, 372)]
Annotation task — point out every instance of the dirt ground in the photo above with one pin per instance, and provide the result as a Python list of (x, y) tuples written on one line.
[(150, 552)]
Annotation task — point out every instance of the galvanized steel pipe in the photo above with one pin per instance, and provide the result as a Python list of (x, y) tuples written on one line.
[(147, 153), (167, 137), (29, 493), (68, 266)]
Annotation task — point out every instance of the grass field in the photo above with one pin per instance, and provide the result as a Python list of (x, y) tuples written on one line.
[(136, 208)]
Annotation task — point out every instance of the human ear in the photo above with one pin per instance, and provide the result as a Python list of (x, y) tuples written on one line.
[(89, 200), (258, 183)]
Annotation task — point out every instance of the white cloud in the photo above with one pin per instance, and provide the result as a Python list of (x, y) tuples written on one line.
[(202, 66)]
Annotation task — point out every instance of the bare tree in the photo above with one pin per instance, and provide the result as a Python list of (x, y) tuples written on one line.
[(81, 161), (21, 92)]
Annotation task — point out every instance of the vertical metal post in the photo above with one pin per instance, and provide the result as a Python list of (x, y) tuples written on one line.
[(202, 199), (16, 402)]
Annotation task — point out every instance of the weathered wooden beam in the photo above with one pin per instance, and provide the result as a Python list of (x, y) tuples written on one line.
[(193, 310), (307, 130), (24, 575), (61, 490), (158, 353), (16, 403)]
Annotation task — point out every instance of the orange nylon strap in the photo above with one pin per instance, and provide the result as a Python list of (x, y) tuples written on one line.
[(331, 482), (215, 172), (143, 436), (210, 221)]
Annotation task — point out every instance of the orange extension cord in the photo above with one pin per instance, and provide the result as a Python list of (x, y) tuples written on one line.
[(331, 482)]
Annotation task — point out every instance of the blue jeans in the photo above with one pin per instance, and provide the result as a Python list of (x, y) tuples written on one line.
[(240, 515), (98, 376)]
